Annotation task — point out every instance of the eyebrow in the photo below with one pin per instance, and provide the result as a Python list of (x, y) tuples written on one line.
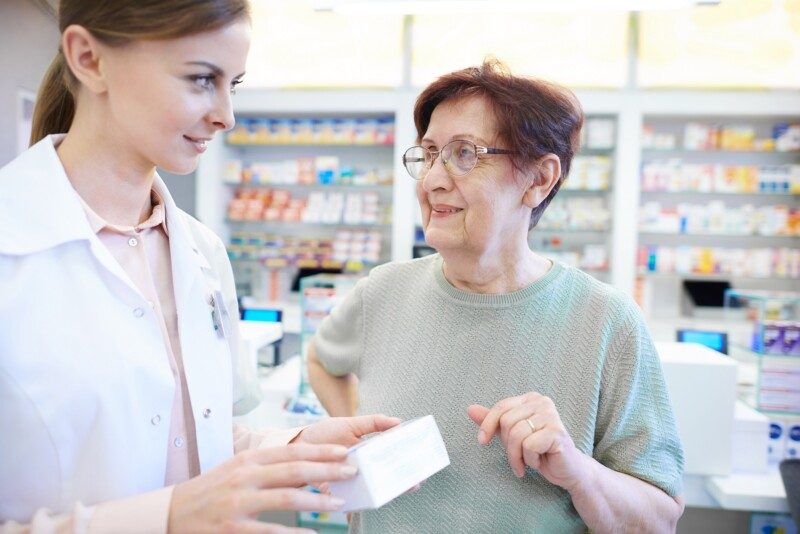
[(213, 68), (473, 138)]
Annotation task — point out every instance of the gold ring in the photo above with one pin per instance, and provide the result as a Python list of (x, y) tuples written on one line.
[(533, 428)]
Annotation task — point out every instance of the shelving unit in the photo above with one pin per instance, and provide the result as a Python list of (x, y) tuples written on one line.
[(719, 200), (768, 341), (576, 227), (630, 110), (307, 192)]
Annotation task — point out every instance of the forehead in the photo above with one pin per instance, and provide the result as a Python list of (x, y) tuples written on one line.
[(471, 116), (226, 47)]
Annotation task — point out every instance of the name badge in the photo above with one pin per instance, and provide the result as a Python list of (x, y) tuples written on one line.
[(219, 315)]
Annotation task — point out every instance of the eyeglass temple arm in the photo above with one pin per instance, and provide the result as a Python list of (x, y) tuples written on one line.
[(486, 150)]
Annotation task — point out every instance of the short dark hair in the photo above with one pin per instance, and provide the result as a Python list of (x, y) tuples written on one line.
[(534, 117)]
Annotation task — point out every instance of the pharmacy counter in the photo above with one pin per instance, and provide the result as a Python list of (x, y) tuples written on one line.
[(720, 489)]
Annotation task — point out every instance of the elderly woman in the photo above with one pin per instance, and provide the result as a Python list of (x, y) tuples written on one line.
[(544, 382)]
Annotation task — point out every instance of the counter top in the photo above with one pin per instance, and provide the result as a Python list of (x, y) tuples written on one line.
[(745, 492), (749, 492)]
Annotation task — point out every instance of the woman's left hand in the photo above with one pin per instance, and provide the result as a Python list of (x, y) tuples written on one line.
[(345, 431), (532, 432)]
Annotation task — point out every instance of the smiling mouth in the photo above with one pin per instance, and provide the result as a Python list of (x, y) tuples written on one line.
[(200, 143), (448, 210)]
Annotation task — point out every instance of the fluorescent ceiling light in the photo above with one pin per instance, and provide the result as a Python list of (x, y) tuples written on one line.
[(422, 7)]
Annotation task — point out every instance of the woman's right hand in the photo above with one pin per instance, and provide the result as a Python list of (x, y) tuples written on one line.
[(230, 497)]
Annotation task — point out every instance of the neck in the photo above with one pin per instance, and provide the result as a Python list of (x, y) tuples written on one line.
[(494, 271), (113, 181)]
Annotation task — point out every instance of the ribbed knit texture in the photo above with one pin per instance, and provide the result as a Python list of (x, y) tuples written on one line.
[(420, 346)]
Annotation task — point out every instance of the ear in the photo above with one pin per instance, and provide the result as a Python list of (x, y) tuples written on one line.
[(542, 178), (82, 53)]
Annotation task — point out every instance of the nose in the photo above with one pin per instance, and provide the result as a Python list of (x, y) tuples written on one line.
[(222, 114), (437, 177)]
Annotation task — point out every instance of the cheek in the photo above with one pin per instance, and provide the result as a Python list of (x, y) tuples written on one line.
[(181, 111), (422, 199), (170, 106)]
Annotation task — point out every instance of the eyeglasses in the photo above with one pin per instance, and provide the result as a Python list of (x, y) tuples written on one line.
[(459, 158)]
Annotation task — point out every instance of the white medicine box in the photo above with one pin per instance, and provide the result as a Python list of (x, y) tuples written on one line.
[(391, 463)]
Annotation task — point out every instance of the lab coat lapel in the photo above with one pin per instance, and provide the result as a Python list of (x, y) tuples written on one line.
[(38, 201), (206, 356), (188, 266)]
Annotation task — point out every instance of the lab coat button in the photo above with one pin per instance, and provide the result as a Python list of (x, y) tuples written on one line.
[(138, 312), (207, 413), (178, 442), (155, 420), (132, 242)]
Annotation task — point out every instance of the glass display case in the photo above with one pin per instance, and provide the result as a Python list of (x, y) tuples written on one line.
[(766, 342), (319, 294)]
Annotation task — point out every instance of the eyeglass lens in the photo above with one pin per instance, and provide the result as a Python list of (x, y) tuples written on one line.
[(459, 158)]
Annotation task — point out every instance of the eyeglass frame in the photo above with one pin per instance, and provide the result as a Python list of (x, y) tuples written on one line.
[(479, 151)]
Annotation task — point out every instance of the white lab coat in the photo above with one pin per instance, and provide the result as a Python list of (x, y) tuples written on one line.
[(86, 388)]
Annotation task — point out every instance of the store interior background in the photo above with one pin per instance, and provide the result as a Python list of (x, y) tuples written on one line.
[(643, 77)]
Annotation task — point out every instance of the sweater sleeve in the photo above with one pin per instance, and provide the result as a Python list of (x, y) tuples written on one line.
[(339, 340), (636, 432)]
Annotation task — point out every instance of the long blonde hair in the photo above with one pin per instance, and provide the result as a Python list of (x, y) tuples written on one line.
[(115, 23)]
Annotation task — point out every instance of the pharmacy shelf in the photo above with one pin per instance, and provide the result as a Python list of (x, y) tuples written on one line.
[(303, 224), (650, 233), (756, 354), (748, 195), (631, 108), (678, 159), (312, 187), (596, 152), (683, 151), (588, 192), (570, 231), (310, 145), (714, 276), (281, 263)]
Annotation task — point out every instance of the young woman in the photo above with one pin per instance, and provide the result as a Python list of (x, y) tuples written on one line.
[(118, 334)]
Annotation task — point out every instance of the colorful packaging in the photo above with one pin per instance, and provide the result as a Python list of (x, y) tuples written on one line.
[(772, 333), (764, 523), (793, 440), (791, 339), (776, 446), (259, 132)]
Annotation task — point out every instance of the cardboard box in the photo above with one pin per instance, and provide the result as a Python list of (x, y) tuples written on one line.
[(750, 435), (391, 463), (702, 388)]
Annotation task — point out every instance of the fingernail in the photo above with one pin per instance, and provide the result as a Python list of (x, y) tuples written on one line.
[(336, 502), (349, 470), (338, 450), (481, 437)]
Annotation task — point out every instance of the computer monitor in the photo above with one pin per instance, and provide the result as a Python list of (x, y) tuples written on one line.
[(713, 340), (707, 293), (267, 315), (302, 272)]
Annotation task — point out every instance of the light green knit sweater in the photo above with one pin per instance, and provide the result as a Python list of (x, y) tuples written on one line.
[(420, 346)]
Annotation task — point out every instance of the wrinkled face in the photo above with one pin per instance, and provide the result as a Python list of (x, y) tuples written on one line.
[(168, 98), (478, 212)]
